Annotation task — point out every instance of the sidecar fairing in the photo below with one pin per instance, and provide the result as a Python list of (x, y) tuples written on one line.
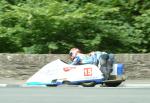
[(58, 72)]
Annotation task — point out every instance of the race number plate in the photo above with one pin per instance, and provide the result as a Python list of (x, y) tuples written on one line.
[(87, 71)]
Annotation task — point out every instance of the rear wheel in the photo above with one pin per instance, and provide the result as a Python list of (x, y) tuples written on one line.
[(88, 84), (114, 83)]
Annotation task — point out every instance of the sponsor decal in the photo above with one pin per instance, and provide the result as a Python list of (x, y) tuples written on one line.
[(87, 71), (66, 69)]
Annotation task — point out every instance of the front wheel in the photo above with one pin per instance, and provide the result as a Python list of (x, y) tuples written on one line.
[(88, 84), (51, 85)]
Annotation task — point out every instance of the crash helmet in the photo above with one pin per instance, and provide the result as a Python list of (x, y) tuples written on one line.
[(73, 53)]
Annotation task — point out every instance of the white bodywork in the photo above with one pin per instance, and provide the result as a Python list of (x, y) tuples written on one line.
[(65, 72)]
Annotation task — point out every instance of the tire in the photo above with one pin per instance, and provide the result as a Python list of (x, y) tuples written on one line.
[(88, 84), (51, 85), (66, 83), (113, 84)]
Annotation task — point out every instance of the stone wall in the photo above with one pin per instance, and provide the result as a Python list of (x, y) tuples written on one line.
[(22, 66), (137, 66)]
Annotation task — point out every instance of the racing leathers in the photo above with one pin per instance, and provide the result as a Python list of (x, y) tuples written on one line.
[(82, 59), (104, 61)]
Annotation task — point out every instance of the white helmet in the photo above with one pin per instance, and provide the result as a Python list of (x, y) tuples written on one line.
[(73, 52)]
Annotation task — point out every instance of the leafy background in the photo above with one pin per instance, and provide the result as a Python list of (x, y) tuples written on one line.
[(55, 26)]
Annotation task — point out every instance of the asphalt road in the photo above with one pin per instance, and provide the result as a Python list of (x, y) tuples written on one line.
[(74, 95)]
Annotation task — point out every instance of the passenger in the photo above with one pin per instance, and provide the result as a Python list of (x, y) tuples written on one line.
[(100, 58), (104, 61)]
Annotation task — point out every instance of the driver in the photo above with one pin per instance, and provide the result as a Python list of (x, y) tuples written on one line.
[(78, 58)]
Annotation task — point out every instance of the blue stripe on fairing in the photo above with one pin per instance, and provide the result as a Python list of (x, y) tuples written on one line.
[(97, 81), (40, 83)]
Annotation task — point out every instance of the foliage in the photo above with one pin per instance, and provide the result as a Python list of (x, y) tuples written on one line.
[(55, 26)]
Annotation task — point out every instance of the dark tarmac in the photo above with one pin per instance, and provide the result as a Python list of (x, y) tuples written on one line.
[(74, 95)]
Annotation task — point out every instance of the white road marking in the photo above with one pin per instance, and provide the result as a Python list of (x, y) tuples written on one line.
[(3, 85), (136, 85)]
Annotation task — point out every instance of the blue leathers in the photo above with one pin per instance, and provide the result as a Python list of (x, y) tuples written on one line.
[(98, 56), (104, 61), (83, 59)]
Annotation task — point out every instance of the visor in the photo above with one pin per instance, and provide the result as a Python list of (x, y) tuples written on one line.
[(70, 53)]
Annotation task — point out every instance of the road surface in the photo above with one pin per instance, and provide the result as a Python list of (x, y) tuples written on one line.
[(127, 92), (74, 95)]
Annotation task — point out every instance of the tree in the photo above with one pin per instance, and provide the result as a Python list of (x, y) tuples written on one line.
[(55, 26)]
